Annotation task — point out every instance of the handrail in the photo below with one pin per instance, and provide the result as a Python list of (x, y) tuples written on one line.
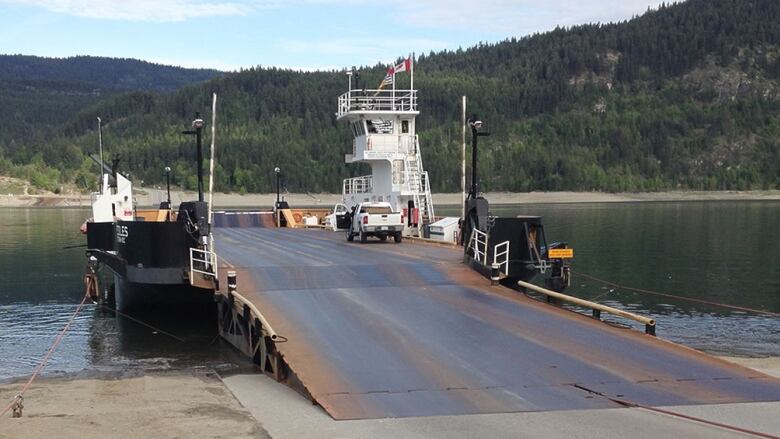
[(596, 307), (377, 100), (208, 259), (503, 253), (266, 327), (358, 185), (475, 239)]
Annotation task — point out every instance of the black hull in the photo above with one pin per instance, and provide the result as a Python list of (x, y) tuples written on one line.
[(150, 262), (145, 297)]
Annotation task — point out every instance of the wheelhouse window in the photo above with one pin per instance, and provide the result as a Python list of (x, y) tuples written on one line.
[(380, 126)]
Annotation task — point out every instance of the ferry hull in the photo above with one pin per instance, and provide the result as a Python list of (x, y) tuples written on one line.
[(149, 261)]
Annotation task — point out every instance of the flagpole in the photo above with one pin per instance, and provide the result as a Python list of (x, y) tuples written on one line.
[(393, 87), (411, 70)]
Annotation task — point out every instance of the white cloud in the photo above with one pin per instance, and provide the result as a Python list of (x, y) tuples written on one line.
[(138, 10), (515, 17), (362, 50)]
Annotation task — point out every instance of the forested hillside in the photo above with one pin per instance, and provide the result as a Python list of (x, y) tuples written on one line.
[(38, 95), (101, 73), (687, 96)]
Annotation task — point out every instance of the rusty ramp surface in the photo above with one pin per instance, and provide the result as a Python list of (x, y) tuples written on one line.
[(393, 330)]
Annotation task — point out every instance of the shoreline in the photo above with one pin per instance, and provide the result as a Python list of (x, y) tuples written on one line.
[(149, 197), (193, 403)]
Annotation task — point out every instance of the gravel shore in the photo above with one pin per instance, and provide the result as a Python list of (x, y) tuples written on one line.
[(152, 197), (161, 405)]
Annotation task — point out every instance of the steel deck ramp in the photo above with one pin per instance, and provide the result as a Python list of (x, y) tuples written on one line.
[(388, 330)]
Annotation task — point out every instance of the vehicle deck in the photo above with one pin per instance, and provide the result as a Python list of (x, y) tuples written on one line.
[(396, 330)]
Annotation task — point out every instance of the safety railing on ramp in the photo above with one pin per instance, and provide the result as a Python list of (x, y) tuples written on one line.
[(203, 268), (478, 244)]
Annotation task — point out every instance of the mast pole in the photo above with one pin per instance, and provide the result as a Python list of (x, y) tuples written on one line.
[(199, 141), (213, 147), (393, 106), (411, 70), (463, 161), (100, 148)]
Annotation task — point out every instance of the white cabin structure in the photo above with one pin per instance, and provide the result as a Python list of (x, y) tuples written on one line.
[(113, 203), (384, 136)]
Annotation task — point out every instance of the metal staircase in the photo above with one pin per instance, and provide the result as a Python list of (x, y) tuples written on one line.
[(419, 184)]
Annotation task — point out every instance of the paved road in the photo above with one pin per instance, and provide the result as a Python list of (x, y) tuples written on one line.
[(396, 330)]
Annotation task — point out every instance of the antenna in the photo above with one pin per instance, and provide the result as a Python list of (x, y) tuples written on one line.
[(100, 149)]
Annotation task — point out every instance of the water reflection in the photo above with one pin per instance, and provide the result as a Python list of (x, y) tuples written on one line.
[(41, 287), (720, 251), (723, 252)]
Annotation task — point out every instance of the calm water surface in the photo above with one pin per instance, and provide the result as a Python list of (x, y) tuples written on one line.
[(40, 286), (720, 251), (727, 252)]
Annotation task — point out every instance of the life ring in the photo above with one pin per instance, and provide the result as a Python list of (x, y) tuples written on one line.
[(297, 217)]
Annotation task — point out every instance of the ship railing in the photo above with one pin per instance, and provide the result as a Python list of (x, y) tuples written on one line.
[(203, 262), (501, 256), (478, 244), (358, 185), (596, 308), (377, 100)]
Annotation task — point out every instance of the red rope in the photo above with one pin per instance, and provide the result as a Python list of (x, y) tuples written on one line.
[(673, 296), (46, 357)]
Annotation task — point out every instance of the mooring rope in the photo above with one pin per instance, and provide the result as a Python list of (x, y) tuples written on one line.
[(141, 322), (18, 398), (674, 296)]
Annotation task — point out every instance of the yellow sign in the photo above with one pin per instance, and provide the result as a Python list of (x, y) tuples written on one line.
[(561, 253)]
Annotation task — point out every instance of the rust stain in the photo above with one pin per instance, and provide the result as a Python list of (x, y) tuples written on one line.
[(378, 276)]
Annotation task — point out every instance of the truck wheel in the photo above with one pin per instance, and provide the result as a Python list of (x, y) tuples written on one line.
[(397, 237), (363, 237), (350, 236)]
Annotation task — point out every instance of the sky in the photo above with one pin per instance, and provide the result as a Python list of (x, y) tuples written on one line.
[(297, 34)]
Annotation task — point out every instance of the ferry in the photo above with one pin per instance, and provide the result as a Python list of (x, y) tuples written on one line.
[(154, 255)]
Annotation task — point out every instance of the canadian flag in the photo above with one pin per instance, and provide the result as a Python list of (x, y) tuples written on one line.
[(405, 66)]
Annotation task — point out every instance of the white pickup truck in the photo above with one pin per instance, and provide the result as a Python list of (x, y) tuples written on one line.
[(375, 219)]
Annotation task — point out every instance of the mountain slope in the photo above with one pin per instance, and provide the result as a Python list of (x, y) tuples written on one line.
[(38, 94), (687, 96), (102, 73)]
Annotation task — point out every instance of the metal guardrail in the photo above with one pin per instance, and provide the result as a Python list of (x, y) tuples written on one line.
[(377, 100), (266, 327), (478, 238), (358, 185), (597, 308), (203, 262), (503, 253)]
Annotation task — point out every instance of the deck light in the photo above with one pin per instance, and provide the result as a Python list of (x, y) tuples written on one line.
[(198, 125)]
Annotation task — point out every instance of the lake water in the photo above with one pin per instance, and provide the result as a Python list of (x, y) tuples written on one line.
[(41, 282), (720, 251)]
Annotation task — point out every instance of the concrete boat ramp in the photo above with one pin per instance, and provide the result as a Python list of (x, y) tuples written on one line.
[(383, 330)]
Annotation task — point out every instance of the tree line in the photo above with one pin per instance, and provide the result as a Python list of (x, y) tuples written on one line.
[(685, 96)]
